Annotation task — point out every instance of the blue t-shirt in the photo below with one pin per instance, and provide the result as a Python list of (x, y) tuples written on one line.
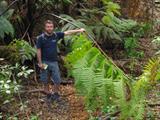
[(48, 45)]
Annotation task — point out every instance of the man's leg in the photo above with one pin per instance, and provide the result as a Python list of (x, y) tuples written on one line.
[(44, 80), (56, 76)]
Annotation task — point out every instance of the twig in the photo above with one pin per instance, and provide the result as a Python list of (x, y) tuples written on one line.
[(44, 92), (154, 104), (107, 117), (26, 31), (22, 105)]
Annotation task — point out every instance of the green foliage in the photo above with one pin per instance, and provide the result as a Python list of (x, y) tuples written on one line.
[(120, 27), (3, 6), (52, 2), (21, 51), (103, 32), (104, 85), (131, 40), (106, 27), (34, 117), (143, 30), (130, 44), (96, 76), (5, 26), (156, 40), (111, 7), (136, 106), (78, 22), (1, 115), (10, 77)]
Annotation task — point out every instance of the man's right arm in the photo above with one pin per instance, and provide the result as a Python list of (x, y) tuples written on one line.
[(39, 52)]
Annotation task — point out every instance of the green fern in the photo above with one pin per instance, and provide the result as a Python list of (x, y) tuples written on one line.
[(107, 33), (5, 27), (103, 84), (111, 7), (140, 89), (21, 51), (78, 22), (95, 75)]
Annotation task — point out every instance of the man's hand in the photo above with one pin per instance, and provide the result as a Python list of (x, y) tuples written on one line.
[(41, 65), (82, 30)]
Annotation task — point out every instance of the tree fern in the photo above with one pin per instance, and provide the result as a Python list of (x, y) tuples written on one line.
[(78, 22)]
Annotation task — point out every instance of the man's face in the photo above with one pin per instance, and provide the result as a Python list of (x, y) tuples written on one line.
[(49, 28)]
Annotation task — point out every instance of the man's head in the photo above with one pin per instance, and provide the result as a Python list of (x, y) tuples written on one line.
[(48, 26)]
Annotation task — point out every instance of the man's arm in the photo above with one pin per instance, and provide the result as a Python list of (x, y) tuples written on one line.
[(69, 32), (39, 54)]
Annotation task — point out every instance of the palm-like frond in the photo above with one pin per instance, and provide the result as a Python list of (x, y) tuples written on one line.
[(102, 31), (78, 22), (5, 27)]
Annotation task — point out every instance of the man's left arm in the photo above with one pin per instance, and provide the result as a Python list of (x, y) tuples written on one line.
[(70, 32)]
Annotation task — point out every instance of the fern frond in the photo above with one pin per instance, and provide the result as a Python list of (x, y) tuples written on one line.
[(102, 84), (78, 22), (96, 76), (5, 27), (141, 88)]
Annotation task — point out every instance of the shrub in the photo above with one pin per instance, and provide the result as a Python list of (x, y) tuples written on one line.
[(10, 77), (21, 51)]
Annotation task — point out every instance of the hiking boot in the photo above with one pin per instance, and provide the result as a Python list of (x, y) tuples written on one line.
[(53, 97)]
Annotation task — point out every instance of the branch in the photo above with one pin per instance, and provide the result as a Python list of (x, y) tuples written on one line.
[(108, 116), (44, 92)]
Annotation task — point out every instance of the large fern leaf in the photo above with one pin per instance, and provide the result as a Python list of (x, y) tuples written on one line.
[(5, 27), (96, 76), (103, 84)]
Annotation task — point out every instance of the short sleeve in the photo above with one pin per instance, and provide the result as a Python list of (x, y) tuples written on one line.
[(60, 35), (39, 42)]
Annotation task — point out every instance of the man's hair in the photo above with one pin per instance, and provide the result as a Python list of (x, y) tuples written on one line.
[(48, 22)]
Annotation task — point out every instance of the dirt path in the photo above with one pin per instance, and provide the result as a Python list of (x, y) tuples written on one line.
[(70, 107)]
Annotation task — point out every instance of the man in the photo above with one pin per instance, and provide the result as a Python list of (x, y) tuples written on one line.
[(47, 55)]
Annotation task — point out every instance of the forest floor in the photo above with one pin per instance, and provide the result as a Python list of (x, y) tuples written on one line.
[(70, 106), (27, 106)]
